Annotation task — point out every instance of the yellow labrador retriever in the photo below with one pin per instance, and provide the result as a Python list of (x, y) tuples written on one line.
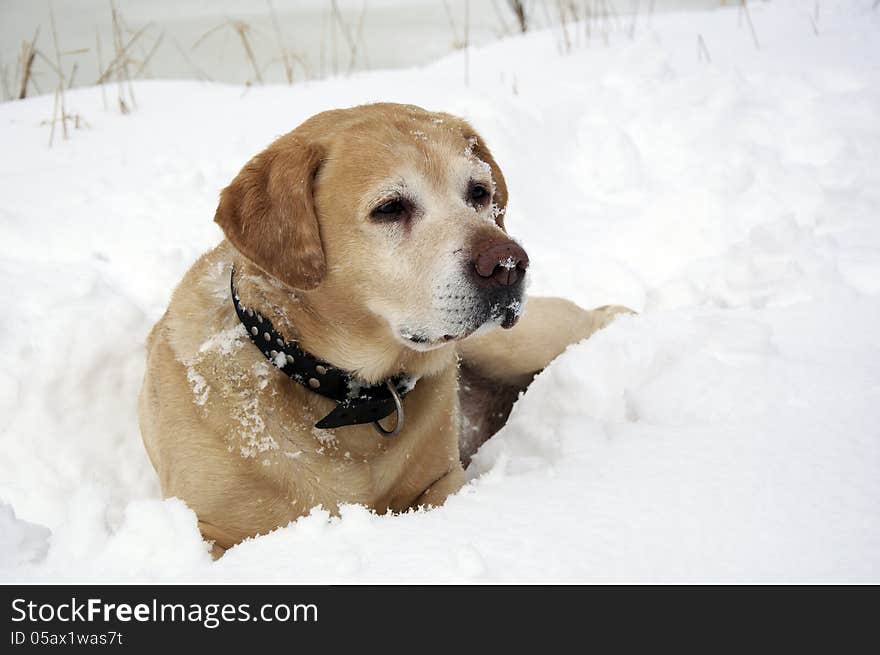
[(341, 344)]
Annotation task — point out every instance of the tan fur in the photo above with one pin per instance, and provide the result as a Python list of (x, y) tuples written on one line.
[(233, 436)]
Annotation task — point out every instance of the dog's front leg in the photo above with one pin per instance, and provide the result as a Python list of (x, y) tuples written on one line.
[(439, 491), (547, 328)]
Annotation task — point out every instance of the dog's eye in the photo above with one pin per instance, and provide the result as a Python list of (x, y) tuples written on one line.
[(390, 210), (478, 194)]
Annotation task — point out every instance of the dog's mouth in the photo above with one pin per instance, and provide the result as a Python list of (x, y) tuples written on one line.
[(507, 315), (504, 314), (417, 338), (421, 341)]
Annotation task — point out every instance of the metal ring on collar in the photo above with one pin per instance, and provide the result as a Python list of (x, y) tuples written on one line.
[(398, 404)]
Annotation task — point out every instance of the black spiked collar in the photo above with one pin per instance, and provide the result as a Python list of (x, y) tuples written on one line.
[(357, 402)]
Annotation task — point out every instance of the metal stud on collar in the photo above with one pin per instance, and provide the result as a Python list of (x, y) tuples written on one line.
[(398, 404)]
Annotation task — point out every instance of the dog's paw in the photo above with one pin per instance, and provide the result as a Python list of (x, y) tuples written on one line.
[(605, 314)]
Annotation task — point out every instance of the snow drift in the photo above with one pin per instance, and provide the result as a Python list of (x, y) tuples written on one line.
[(727, 433)]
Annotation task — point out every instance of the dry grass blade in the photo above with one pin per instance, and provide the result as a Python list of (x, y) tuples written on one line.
[(4, 79), (346, 33), (242, 29), (467, 29), (149, 57), (51, 64), (116, 65), (202, 75), (563, 24), (286, 58), (100, 65), (588, 20), (744, 8), (635, 16), (204, 36), (519, 10), (702, 50), (28, 54), (123, 58), (60, 72), (456, 41), (499, 16), (122, 52), (72, 75), (59, 108), (54, 116), (359, 35)]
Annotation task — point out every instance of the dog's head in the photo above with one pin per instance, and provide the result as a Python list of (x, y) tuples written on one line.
[(394, 209)]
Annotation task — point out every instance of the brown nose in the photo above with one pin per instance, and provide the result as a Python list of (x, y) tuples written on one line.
[(499, 262)]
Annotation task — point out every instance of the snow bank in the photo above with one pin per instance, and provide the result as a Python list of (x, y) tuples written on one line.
[(727, 433)]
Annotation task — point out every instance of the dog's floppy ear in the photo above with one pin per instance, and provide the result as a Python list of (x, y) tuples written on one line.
[(481, 151), (268, 213)]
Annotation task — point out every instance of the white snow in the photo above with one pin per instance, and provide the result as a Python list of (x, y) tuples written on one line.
[(729, 432), (199, 385)]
